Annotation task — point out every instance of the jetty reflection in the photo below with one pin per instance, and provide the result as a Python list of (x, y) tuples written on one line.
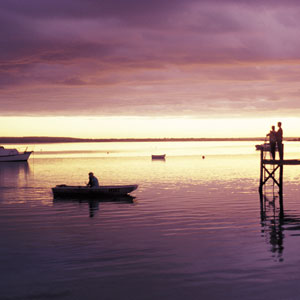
[(275, 221), (94, 203)]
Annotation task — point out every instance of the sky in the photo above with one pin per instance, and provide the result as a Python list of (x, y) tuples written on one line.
[(140, 68)]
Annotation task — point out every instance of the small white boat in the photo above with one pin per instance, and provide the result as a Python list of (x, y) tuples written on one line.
[(13, 155), (161, 156), (264, 147), (107, 190)]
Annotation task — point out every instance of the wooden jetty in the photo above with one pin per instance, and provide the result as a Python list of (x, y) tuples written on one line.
[(269, 168)]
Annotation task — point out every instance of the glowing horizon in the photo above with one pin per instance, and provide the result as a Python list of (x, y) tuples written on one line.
[(139, 127)]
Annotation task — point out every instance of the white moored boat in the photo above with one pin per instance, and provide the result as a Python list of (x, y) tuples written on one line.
[(107, 190), (13, 155)]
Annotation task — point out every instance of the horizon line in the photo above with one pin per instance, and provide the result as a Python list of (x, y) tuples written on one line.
[(51, 139)]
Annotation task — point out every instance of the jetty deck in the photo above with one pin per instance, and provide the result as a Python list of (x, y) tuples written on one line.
[(281, 162)]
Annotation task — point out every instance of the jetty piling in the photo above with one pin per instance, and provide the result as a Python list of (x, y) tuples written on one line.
[(269, 168)]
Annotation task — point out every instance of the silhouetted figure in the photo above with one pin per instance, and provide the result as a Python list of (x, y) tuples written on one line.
[(93, 181), (279, 135), (272, 139)]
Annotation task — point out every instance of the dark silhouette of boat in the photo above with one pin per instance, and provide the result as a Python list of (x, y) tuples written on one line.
[(97, 191), (161, 156)]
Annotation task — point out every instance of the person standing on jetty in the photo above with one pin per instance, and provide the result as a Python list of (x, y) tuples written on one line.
[(272, 139), (279, 135), (93, 181)]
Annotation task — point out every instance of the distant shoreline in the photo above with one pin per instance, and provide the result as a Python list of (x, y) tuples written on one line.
[(46, 140)]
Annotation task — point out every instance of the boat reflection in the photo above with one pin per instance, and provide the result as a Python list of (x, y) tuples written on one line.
[(13, 173), (94, 203), (275, 223)]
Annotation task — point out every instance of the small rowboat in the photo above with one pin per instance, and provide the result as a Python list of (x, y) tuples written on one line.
[(104, 190), (162, 156), (264, 147)]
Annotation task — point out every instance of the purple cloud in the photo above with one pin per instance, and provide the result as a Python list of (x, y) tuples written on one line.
[(113, 57)]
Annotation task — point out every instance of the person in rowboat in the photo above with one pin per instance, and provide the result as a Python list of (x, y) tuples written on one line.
[(93, 181)]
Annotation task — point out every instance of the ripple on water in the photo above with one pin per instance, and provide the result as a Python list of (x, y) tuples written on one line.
[(192, 230)]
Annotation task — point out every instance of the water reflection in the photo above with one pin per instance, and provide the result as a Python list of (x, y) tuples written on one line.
[(93, 203), (271, 222), (13, 177), (13, 173), (275, 221)]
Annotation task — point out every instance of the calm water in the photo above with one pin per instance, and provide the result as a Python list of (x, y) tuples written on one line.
[(195, 230)]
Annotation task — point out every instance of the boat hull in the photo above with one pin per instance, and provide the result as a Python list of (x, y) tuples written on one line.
[(15, 157), (79, 191), (163, 156)]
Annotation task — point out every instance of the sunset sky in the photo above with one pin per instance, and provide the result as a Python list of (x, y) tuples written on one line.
[(149, 68)]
